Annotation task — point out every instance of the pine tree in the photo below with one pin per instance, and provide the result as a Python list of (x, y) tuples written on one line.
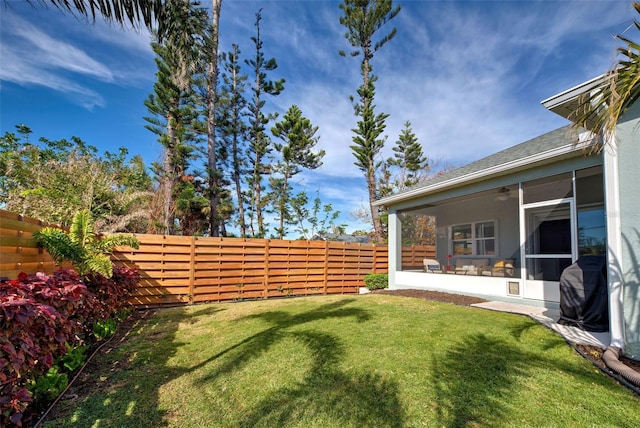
[(259, 144), (408, 158), (173, 102), (233, 128), (298, 136), (362, 19)]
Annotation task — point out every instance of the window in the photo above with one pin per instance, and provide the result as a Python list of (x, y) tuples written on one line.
[(592, 230), (474, 239), (543, 189)]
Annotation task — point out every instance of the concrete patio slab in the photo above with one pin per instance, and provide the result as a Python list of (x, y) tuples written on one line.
[(548, 317)]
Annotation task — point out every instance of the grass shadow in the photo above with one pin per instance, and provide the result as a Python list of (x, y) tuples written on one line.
[(327, 392), (108, 394), (477, 380), (473, 379), (529, 325)]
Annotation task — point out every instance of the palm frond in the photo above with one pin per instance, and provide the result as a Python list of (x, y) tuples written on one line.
[(108, 243), (601, 110), (149, 12), (97, 263), (82, 230), (59, 245)]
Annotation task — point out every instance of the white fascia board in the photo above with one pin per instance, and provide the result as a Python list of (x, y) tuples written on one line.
[(475, 176), (571, 94)]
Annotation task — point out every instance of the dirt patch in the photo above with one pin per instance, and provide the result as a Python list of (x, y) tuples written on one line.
[(594, 354)]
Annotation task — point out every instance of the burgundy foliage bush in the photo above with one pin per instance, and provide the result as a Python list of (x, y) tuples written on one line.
[(113, 293), (39, 314)]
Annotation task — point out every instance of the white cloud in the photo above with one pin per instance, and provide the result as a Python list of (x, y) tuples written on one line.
[(73, 55), (32, 46), (27, 73)]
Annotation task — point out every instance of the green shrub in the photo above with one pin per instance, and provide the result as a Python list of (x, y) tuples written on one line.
[(49, 385), (87, 250), (73, 359), (104, 329), (375, 281)]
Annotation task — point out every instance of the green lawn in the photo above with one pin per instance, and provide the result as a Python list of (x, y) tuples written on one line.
[(346, 361)]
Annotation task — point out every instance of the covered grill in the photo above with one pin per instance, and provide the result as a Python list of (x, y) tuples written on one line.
[(583, 295)]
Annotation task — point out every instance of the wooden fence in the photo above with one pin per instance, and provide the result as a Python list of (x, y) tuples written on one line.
[(412, 255), (18, 250), (182, 270), (188, 269)]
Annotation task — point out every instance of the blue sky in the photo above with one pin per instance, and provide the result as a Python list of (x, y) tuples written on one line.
[(468, 75)]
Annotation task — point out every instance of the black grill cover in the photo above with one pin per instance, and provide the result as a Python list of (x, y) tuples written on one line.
[(584, 302)]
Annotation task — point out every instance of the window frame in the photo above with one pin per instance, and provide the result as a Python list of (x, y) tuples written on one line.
[(473, 240)]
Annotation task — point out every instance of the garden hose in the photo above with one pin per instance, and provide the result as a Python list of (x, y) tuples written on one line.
[(611, 358)]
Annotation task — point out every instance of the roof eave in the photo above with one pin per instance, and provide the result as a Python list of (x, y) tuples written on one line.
[(567, 102), (480, 175)]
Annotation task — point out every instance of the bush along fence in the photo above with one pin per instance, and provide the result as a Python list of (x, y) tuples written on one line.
[(45, 324)]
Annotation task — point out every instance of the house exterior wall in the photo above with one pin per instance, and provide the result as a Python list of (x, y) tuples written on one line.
[(628, 154), (472, 209)]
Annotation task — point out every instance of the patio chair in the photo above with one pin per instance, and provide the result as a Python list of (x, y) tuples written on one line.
[(432, 266), (502, 267), (470, 266)]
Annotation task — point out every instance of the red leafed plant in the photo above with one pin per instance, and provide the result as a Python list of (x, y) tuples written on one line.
[(40, 316), (113, 293)]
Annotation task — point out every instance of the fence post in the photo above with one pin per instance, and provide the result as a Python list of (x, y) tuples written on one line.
[(326, 265), (266, 269), (375, 261), (192, 269)]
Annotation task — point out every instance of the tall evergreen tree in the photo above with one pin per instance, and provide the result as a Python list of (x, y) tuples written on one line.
[(296, 152), (363, 19), (214, 175), (233, 128), (173, 102), (408, 158), (259, 143)]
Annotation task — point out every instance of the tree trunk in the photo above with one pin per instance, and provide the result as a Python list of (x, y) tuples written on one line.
[(236, 179), (375, 216), (212, 82), (168, 182)]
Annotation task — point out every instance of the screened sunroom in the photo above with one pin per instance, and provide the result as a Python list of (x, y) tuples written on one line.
[(505, 226)]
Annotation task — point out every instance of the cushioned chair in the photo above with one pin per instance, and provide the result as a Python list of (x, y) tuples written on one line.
[(502, 267), (432, 265), (471, 266)]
